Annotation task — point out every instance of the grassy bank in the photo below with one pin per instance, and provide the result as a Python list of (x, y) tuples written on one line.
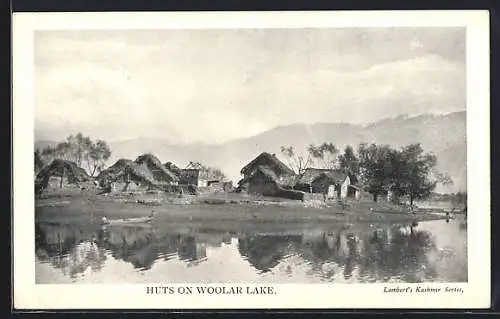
[(213, 209)]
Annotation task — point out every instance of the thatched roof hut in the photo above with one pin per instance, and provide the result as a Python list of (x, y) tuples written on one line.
[(310, 174), (173, 168), (125, 170), (267, 160), (286, 181), (160, 172), (334, 175), (61, 168)]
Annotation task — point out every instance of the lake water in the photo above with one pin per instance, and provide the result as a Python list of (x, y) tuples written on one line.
[(434, 251)]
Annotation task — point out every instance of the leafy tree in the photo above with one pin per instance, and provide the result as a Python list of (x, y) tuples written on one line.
[(216, 173), (298, 162), (81, 150), (348, 161), (324, 154), (376, 168), (416, 177), (82, 146), (408, 171), (96, 156)]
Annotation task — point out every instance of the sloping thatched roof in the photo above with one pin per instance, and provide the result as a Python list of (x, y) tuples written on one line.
[(160, 172), (271, 161), (124, 170), (287, 180), (335, 176), (173, 168), (60, 167), (311, 174)]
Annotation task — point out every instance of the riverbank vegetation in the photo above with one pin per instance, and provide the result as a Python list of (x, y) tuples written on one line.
[(408, 171)]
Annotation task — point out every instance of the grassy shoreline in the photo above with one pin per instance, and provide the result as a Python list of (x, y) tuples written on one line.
[(216, 209)]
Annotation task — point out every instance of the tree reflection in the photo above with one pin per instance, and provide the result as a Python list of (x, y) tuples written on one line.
[(379, 255), (66, 248), (364, 254)]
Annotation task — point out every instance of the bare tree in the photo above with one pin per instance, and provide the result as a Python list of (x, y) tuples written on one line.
[(325, 154), (297, 161)]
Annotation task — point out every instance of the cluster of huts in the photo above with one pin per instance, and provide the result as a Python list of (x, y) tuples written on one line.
[(268, 176), (265, 175), (143, 174)]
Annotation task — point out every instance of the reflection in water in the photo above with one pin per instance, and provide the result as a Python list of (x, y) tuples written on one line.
[(265, 252), (69, 251), (429, 251)]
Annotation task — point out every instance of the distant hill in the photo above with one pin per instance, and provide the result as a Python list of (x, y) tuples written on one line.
[(442, 134)]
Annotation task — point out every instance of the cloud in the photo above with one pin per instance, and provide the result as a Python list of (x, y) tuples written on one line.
[(211, 86)]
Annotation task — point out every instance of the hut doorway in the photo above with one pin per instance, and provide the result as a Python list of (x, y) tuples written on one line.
[(333, 192), (351, 192)]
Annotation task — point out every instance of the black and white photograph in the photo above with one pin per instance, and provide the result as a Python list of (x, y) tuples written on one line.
[(277, 155)]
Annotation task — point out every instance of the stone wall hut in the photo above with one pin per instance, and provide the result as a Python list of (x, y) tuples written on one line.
[(59, 173), (335, 184)]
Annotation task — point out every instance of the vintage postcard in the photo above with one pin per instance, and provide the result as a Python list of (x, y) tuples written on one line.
[(251, 160)]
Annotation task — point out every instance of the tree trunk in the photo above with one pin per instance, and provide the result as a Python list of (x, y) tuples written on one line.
[(93, 171), (62, 178)]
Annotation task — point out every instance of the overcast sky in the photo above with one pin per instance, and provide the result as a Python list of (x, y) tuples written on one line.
[(215, 85)]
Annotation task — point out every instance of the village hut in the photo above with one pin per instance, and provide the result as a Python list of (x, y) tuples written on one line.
[(268, 176), (267, 160), (196, 175), (161, 174), (264, 181), (335, 184), (126, 175), (305, 180), (59, 173), (193, 176), (338, 185), (173, 168), (201, 176)]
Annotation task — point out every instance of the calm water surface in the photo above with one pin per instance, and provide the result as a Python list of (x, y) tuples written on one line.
[(433, 251)]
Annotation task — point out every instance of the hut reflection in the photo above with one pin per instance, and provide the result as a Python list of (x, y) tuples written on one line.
[(265, 252), (374, 255), (142, 246), (68, 249), (370, 254)]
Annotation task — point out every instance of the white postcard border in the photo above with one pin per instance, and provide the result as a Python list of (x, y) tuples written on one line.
[(28, 295)]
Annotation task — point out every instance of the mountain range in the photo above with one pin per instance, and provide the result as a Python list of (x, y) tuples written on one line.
[(442, 134)]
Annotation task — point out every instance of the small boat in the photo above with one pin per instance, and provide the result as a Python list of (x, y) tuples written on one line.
[(124, 221)]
